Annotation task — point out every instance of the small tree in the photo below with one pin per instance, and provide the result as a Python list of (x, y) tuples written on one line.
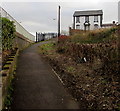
[(8, 33)]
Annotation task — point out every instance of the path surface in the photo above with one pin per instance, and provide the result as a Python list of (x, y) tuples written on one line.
[(36, 85)]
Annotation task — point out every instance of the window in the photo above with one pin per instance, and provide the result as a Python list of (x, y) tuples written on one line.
[(95, 18), (96, 26), (77, 19), (86, 19), (77, 26)]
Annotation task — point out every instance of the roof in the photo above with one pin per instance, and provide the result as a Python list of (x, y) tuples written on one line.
[(89, 12)]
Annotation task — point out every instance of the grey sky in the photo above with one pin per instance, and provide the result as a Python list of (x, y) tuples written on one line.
[(38, 16)]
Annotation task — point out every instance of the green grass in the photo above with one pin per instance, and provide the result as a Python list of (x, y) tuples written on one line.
[(46, 48), (70, 69)]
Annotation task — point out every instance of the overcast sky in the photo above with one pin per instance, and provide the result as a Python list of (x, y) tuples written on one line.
[(42, 16)]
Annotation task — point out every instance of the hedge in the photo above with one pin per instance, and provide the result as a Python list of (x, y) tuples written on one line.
[(8, 33)]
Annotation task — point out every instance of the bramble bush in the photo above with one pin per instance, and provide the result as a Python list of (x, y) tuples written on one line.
[(99, 44)]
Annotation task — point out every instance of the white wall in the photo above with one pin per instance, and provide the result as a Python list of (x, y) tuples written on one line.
[(92, 23), (20, 29), (91, 19)]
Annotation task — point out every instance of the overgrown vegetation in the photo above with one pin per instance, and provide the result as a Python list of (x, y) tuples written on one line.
[(47, 47), (7, 38), (9, 71), (8, 30), (88, 64), (8, 99), (96, 36)]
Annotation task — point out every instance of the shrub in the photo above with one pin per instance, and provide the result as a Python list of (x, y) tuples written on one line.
[(8, 33)]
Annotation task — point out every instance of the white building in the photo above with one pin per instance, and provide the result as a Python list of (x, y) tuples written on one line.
[(119, 12), (19, 28), (87, 20)]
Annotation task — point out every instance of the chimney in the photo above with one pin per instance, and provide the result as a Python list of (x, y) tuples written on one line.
[(114, 23)]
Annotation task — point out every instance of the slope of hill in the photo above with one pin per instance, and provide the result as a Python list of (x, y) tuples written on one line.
[(88, 64)]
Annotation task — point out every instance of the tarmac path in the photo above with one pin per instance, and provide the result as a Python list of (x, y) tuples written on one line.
[(36, 85)]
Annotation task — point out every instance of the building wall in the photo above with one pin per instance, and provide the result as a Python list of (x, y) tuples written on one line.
[(20, 29), (21, 42), (75, 31), (91, 19)]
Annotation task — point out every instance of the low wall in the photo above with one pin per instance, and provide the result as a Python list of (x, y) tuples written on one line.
[(21, 42), (75, 31)]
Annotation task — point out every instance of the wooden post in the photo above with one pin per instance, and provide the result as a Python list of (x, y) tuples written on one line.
[(36, 36), (59, 21)]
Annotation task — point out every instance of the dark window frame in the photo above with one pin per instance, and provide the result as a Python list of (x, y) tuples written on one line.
[(86, 19), (77, 19), (96, 18)]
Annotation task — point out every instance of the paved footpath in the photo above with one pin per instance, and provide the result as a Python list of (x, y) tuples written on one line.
[(36, 85)]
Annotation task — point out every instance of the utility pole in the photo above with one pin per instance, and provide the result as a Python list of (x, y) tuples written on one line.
[(36, 36), (59, 21)]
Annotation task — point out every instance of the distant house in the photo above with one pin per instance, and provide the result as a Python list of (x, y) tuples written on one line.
[(119, 12), (87, 20), (44, 36)]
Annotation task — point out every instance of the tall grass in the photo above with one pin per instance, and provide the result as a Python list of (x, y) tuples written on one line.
[(96, 36)]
